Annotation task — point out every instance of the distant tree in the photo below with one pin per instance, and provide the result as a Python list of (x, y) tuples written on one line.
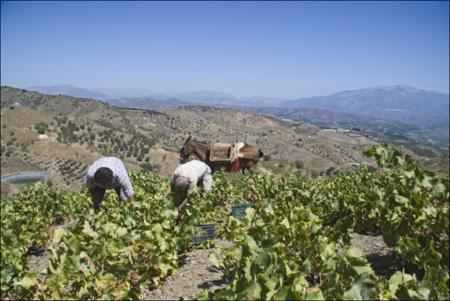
[(299, 164), (266, 157), (330, 171)]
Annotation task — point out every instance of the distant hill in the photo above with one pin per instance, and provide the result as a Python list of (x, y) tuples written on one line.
[(204, 97), (140, 96), (117, 93), (377, 108), (401, 103), (332, 119), (395, 109), (70, 91), (260, 101), (147, 103)]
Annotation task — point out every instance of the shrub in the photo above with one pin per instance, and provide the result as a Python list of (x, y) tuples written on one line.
[(330, 171), (298, 144), (299, 164)]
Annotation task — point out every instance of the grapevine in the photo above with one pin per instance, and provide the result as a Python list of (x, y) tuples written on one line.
[(295, 244)]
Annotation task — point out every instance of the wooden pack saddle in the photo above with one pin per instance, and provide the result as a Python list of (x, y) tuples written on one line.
[(227, 152), (220, 152)]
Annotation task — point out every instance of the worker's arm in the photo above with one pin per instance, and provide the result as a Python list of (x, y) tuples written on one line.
[(183, 203), (181, 206), (192, 185), (125, 185), (207, 182), (191, 189)]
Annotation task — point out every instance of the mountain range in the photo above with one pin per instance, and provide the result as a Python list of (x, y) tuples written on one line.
[(69, 91), (401, 103), (414, 109)]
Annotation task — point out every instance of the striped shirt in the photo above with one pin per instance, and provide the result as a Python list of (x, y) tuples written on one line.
[(120, 175)]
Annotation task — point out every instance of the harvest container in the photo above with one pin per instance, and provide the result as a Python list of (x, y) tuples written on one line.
[(238, 210), (204, 232)]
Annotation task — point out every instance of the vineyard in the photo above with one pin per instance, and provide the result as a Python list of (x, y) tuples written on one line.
[(295, 244)]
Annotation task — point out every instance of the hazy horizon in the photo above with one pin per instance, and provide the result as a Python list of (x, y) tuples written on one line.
[(271, 49), (144, 92)]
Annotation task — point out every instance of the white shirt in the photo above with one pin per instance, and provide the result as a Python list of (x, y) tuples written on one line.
[(193, 170)]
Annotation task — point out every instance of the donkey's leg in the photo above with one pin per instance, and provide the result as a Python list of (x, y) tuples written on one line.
[(245, 167), (251, 165)]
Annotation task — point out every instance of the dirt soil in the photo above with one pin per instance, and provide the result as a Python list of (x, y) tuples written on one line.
[(194, 274), (382, 258)]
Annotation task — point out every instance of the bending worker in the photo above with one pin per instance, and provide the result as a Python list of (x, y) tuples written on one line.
[(108, 173), (186, 177)]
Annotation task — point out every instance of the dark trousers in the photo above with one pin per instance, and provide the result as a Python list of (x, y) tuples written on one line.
[(98, 194)]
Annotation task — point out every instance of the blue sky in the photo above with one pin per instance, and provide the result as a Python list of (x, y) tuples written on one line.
[(277, 49)]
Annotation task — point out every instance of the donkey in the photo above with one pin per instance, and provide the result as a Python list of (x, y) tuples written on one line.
[(201, 150)]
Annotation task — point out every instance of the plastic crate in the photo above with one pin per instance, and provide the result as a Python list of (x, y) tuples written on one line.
[(238, 210), (204, 232)]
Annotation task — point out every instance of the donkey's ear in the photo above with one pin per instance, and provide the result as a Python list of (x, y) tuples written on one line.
[(188, 139), (260, 153)]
